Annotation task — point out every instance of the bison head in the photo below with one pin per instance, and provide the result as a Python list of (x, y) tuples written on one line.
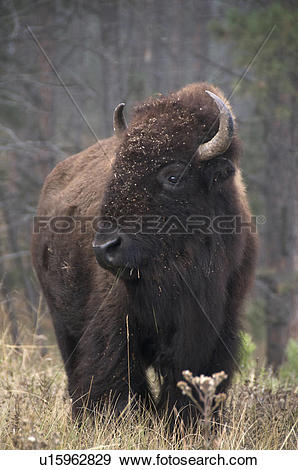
[(175, 161)]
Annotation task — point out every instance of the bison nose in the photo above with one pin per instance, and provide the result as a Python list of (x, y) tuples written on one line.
[(107, 252)]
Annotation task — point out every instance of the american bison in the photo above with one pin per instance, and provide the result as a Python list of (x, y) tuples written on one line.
[(159, 281)]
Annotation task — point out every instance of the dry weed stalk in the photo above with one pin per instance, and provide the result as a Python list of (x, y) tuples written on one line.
[(208, 400)]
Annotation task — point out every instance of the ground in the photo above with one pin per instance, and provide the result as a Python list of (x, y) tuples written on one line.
[(35, 413)]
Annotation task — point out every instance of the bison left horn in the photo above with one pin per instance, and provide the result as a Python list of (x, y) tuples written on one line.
[(119, 120), (223, 138)]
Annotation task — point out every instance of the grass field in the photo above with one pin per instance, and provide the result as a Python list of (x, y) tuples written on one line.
[(35, 412)]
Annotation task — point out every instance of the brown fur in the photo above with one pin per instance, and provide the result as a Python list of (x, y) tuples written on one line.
[(93, 312)]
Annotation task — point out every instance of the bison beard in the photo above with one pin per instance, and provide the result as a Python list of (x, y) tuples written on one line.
[(132, 301)]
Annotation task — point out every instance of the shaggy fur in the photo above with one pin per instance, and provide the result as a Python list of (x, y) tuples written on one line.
[(110, 330)]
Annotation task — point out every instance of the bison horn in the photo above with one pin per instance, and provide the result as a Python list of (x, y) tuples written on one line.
[(119, 120), (223, 138)]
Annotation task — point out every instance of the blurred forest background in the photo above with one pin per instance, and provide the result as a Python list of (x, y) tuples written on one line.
[(109, 51)]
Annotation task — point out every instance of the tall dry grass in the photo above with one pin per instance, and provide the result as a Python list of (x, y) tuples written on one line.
[(35, 410)]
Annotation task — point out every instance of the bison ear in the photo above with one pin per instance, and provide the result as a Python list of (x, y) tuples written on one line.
[(216, 171), (119, 121)]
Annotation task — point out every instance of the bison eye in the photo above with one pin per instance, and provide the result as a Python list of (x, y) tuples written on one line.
[(173, 179), (169, 176)]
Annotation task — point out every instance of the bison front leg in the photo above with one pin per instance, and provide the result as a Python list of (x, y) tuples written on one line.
[(109, 375), (177, 408)]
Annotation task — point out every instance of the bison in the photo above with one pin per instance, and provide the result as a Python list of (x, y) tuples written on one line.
[(154, 283)]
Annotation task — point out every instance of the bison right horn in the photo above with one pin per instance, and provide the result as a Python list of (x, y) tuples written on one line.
[(223, 138), (119, 120)]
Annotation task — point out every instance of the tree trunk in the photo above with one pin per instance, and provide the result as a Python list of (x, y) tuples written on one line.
[(279, 238)]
